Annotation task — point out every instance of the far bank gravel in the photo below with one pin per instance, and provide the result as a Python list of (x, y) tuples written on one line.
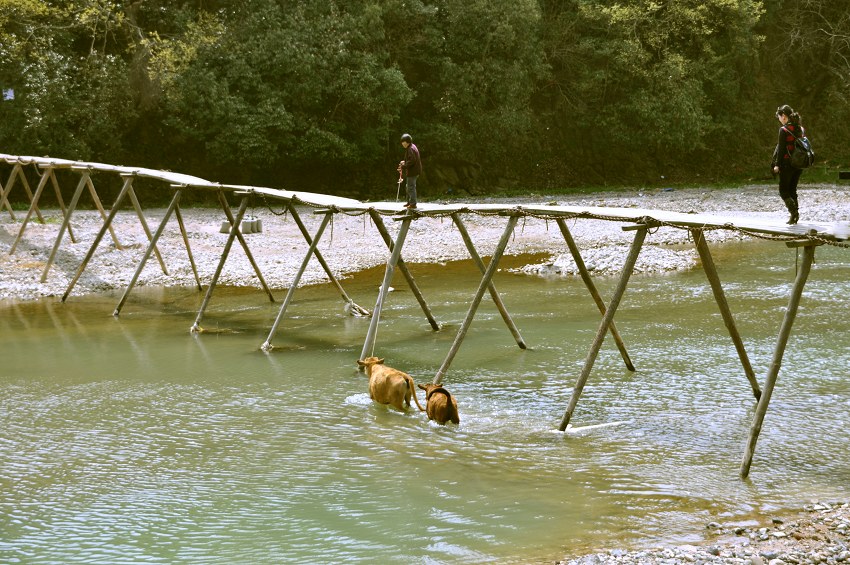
[(351, 243)]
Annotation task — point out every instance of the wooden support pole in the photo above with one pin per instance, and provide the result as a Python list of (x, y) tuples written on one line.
[(371, 334), (47, 175), (494, 294), (99, 205), (234, 230), (65, 222), (4, 202), (138, 207), (594, 293), (628, 267), (4, 193), (18, 171), (778, 353), (476, 300), (33, 207), (267, 345), (402, 266), (151, 247), (320, 258), (61, 201), (183, 233), (107, 222), (242, 241), (720, 297), (28, 190)]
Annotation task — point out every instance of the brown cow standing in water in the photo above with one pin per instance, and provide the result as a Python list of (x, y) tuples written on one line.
[(388, 385), (441, 406)]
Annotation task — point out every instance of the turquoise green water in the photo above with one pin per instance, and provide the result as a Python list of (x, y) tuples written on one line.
[(130, 440)]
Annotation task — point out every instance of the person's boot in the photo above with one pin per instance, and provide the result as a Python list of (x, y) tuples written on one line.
[(793, 210)]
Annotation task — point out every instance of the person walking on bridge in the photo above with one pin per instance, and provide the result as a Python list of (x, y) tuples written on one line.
[(410, 168), (789, 176)]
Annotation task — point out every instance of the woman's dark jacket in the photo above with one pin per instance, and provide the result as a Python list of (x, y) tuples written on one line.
[(785, 145)]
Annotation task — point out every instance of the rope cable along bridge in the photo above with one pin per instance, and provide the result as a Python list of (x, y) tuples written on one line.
[(643, 222)]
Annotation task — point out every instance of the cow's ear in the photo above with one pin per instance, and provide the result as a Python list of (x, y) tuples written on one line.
[(381, 360), (423, 387), (361, 363)]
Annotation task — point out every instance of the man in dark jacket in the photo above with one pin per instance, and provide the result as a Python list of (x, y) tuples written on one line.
[(410, 167)]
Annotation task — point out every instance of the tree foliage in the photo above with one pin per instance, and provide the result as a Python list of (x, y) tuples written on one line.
[(524, 92)]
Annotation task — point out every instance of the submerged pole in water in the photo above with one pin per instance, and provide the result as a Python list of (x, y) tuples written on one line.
[(594, 293), (778, 353), (267, 345), (628, 267), (371, 334), (402, 266), (497, 300), (720, 297), (476, 300)]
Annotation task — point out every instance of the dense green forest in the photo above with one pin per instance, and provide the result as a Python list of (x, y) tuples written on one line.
[(498, 94)]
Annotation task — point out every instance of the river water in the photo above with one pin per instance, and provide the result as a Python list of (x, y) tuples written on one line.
[(130, 440)]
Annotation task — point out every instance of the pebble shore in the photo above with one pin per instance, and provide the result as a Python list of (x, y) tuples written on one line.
[(818, 534), (351, 243)]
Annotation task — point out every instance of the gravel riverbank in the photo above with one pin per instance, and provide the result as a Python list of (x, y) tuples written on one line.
[(351, 243), (819, 533)]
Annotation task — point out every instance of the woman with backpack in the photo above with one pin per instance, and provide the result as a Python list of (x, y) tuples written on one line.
[(789, 176)]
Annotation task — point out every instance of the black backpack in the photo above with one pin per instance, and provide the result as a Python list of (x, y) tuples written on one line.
[(802, 156)]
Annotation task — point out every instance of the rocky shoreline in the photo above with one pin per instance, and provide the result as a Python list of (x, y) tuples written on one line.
[(351, 243), (819, 533)]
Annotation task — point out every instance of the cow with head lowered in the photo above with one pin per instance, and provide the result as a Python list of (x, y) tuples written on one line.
[(388, 385), (440, 405)]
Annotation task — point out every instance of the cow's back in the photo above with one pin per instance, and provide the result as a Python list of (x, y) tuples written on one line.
[(389, 386)]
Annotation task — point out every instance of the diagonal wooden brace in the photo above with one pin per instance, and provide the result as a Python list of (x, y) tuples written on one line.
[(234, 232), (241, 238), (778, 353), (392, 261), (476, 300), (604, 325), (267, 345), (175, 200), (720, 297), (594, 293), (128, 184), (402, 266), (354, 307), (494, 294)]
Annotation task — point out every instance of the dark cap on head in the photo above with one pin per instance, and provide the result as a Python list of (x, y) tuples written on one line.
[(406, 137)]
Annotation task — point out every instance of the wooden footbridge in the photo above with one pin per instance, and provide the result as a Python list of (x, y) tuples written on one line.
[(805, 235)]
